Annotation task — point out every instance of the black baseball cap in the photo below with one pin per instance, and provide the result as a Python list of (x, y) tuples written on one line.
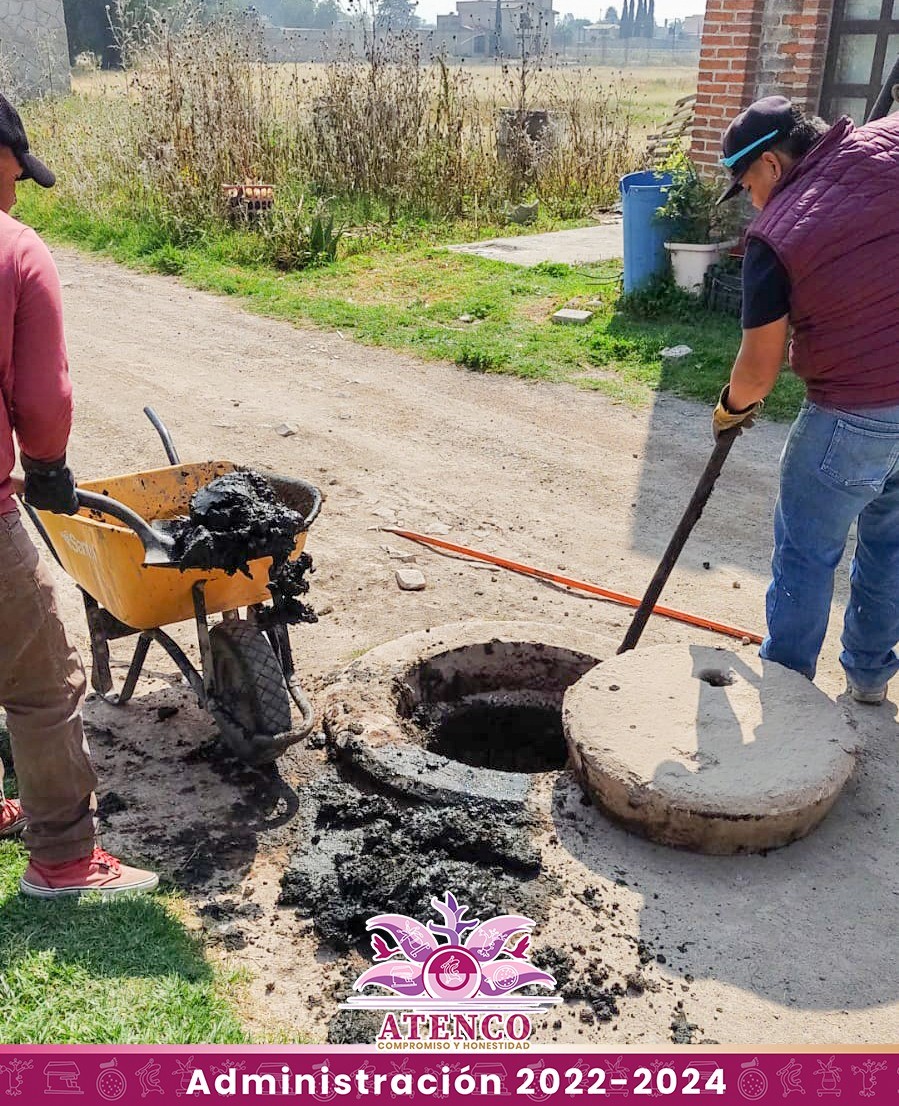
[(755, 130), (12, 134)]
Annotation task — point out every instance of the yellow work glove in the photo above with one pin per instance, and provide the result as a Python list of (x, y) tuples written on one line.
[(723, 418)]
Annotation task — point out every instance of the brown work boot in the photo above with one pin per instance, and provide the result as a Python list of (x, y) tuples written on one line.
[(12, 820), (97, 872)]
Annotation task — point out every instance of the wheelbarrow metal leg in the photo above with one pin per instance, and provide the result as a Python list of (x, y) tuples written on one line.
[(186, 669), (199, 596), (102, 628), (137, 664), (101, 676)]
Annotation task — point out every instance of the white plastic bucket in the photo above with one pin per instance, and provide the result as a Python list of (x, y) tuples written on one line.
[(690, 261)]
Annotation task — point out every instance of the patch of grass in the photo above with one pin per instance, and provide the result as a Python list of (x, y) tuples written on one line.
[(481, 358), (93, 972), (663, 315), (90, 972), (488, 316)]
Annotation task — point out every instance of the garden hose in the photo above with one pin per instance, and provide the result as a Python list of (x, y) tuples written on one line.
[(575, 585)]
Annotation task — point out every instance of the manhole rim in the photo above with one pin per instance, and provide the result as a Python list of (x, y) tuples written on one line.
[(382, 750)]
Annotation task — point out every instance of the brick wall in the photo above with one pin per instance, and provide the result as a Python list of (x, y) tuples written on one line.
[(731, 36), (753, 48), (34, 48), (793, 49)]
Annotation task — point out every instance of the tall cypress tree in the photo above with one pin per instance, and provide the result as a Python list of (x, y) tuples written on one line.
[(626, 25), (651, 20)]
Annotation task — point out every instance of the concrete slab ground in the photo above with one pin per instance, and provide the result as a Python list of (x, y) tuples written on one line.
[(708, 748), (571, 247)]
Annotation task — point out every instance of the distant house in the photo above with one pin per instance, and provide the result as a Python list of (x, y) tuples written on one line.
[(596, 33), (525, 25), (692, 25)]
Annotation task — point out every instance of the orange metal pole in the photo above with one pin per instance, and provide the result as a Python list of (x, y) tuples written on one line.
[(576, 585)]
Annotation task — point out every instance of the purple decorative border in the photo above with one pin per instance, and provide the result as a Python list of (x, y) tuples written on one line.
[(146, 1075)]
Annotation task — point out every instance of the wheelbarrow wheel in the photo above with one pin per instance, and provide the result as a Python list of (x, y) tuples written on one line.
[(250, 692)]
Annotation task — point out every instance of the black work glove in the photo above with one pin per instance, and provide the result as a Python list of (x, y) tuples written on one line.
[(49, 486)]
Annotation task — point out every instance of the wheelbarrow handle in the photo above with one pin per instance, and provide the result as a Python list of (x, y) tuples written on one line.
[(157, 547), (163, 431)]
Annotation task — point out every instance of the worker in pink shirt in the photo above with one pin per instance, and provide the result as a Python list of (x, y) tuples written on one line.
[(42, 681)]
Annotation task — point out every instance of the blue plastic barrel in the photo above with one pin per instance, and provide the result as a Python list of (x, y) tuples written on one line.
[(644, 235)]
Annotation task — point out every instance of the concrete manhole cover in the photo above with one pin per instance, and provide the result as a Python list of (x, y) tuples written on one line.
[(471, 709), (706, 748)]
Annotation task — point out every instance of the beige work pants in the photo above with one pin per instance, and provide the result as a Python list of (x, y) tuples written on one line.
[(42, 688)]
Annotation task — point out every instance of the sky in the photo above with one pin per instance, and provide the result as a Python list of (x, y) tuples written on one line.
[(580, 9)]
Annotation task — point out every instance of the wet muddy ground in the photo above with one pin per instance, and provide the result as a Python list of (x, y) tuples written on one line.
[(365, 850), (355, 850)]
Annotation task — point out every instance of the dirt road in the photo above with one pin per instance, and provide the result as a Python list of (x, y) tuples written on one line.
[(785, 948)]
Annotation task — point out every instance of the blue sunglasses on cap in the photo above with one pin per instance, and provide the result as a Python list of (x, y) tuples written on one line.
[(734, 158)]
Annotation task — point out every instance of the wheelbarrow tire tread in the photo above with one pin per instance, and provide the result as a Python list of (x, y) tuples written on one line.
[(244, 649)]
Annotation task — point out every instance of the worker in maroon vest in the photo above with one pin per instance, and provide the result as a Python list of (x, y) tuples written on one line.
[(41, 679), (822, 260)]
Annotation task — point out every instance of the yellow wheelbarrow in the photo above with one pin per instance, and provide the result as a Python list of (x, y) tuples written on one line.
[(131, 587)]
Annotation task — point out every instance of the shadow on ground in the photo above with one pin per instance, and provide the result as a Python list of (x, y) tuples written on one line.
[(808, 926), (128, 936)]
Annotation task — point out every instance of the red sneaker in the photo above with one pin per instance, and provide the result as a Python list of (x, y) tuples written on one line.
[(97, 872), (12, 820)]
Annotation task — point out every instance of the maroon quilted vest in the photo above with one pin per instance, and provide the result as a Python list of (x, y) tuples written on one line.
[(834, 224)]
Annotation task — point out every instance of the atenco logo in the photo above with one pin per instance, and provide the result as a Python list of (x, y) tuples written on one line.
[(451, 983)]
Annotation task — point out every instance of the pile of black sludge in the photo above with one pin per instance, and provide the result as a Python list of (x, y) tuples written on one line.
[(237, 518)]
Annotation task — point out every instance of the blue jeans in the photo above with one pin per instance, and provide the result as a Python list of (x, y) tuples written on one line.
[(837, 466)]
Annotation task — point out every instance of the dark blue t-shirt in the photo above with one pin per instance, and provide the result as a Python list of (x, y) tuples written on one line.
[(766, 286)]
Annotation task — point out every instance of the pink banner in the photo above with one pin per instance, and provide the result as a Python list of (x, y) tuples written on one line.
[(160, 1074)]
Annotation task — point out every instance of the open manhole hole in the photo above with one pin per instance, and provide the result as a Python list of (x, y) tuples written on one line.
[(467, 712), (716, 677), (492, 705)]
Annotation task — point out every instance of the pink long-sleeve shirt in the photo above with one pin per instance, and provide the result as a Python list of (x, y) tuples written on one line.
[(34, 369)]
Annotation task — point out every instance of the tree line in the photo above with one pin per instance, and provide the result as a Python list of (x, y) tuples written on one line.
[(91, 24), (638, 19)]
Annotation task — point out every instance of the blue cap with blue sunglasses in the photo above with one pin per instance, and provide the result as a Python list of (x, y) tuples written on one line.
[(755, 130)]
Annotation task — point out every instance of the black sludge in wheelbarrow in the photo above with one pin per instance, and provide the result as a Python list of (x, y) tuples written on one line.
[(237, 518), (232, 520)]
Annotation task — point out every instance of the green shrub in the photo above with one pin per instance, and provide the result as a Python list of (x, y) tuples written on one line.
[(552, 269), (479, 358), (691, 206), (661, 298)]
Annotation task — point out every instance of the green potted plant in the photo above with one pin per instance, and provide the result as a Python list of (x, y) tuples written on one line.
[(700, 231)]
